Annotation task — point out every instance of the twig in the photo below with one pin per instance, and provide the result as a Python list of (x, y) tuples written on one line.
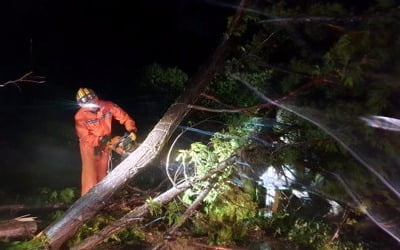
[(235, 110), (197, 244), (232, 109), (343, 220), (190, 210), (328, 19), (213, 98), (27, 78), (188, 213), (247, 110)]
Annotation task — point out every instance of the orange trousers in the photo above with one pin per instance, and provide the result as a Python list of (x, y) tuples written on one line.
[(94, 166)]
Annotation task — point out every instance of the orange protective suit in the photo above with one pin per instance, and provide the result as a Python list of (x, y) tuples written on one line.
[(91, 127)]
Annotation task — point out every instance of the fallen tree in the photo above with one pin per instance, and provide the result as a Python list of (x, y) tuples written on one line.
[(139, 212), (88, 205)]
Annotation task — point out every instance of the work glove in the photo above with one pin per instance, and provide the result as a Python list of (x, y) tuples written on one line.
[(97, 150), (112, 144), (103, 140), (132, 135)]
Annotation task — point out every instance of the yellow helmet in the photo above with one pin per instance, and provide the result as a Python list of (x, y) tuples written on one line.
[(85, 95)]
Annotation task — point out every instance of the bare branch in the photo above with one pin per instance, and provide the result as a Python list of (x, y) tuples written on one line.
[(237, 110), (248, 110), (339, 227), (232, 109), (189, 212), (27, 78), (213, 98), (314, 19)]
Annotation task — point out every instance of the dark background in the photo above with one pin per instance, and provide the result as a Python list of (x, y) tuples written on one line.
[(98, 44)]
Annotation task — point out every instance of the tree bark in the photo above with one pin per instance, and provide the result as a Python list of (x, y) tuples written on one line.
[(139, 212), (19, 228), (88, 205)]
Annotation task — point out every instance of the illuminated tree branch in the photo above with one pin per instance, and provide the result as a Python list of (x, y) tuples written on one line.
[(314, 19), (27, 78), (236, 110)]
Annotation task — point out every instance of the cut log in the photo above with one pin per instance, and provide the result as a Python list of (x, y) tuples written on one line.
[(18, 228), (87, 206)]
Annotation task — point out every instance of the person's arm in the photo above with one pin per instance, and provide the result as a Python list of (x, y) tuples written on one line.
[(83, 133), (122, 117)]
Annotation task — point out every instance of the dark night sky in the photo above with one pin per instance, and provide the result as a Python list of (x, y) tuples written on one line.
[(100, 44), (105, 42)]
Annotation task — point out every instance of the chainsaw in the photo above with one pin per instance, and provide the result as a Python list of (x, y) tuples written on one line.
[(123, 145)]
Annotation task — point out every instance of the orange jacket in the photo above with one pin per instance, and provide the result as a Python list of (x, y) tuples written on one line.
[(91, 126)]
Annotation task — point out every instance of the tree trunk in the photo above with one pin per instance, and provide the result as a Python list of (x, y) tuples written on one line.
[(88, 205), (19, 228)]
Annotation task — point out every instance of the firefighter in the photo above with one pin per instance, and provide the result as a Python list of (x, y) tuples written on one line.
[(93, 126)]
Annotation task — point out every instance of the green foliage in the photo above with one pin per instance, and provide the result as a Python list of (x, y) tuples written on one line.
[(173, 212), (66, 196), (162, 78), (37, 244), (228, 209), (231, 92), (333, 72), (203, 158), (154, 206), (308, 233), (128, 236), (228, 218), (305, 233), (91, 227)]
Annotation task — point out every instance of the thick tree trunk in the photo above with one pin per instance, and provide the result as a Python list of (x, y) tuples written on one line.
[(19, 228), (88, 205)]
